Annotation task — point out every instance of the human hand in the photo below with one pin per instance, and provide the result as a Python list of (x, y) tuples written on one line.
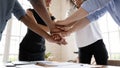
[(56, 35), (59, 38), (54, 38), (62, 26), (65, 33)]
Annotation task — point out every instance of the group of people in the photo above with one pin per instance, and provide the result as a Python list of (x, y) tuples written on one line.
[(86, 15)]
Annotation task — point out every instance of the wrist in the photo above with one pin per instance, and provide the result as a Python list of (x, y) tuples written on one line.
[(51, 26), (71, 30)]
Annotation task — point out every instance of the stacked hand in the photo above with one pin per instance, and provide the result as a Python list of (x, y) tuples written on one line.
[(56, 35), (64, 27), (60, 31)]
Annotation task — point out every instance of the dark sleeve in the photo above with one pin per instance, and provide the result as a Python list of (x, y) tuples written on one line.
[(52, 18), (37, 17)]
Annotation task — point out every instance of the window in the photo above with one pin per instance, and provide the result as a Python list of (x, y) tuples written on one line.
[(14, 32), (111, 36)]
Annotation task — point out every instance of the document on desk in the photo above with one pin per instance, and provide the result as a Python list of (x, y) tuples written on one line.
[(80, 66), (29, 66), (23, 63), (74, 66), (53, 64)]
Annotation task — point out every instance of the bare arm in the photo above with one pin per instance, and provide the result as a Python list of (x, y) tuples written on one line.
[(78, 15), (40, 8), (80, 24), (30, 22), (45, 28), (42, 11)]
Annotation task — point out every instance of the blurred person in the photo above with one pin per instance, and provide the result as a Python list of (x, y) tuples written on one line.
[(88, 39), (32, 47)]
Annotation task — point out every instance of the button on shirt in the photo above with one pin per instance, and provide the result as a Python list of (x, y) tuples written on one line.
[(7, 7), (96, 8)]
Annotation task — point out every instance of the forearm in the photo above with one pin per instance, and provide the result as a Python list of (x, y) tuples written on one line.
[(87, 8), (39, 7), (45, 28), (70, 24), (31, 24), (80, 25), (78, 15)]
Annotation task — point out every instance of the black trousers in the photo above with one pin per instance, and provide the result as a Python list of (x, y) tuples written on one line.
[(97, 49)]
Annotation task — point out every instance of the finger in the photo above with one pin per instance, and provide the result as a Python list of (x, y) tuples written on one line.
[(56, 37), (63, 42)]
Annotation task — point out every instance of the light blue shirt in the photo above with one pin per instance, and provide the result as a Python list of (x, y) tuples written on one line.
[(7, 7), (96, 8)]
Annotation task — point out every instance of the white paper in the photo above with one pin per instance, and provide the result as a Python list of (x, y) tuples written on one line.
[(22, 63), (54, 64), (74, 66), (29, 66)]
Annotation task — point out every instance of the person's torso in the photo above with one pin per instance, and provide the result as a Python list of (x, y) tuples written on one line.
[(31, 36), (88, 35)]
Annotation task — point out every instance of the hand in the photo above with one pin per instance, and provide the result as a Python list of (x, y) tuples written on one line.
[(61, 22), (55, 29), (61, 26), (65, 33), (56, 35), (55, 38), (59, 38)]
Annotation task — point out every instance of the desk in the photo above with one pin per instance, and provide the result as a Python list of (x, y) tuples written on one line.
[(59, 65)]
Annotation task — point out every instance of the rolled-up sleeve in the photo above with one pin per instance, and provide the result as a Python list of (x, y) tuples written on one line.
[(92, 6), (18, 11), (96, 15)]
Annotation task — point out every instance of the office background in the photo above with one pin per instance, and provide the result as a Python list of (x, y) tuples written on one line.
[(15, 31)]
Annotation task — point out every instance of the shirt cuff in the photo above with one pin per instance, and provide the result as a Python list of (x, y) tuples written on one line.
[(92, 6)]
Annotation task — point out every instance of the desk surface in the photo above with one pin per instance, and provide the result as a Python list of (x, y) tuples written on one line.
[(58, 65)]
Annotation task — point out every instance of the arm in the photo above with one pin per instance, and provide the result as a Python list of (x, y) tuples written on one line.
[(92, 17), (31, 23), (41, 23), (87, 8), (27, 20), (80, 24), (45, 28), (39, 6), (83, 22)]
